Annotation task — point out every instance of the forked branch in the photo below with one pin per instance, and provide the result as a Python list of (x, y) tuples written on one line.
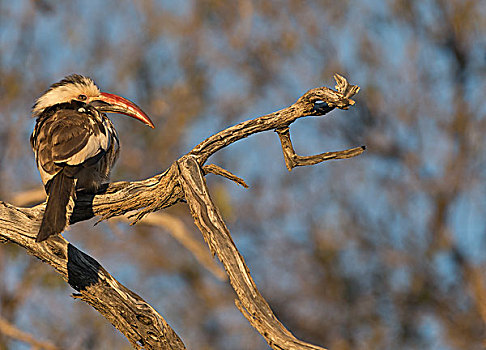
[(292, 159), (250, 302), (182, 182)]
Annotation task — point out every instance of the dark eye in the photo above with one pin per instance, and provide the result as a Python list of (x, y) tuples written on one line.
[(82, 97)]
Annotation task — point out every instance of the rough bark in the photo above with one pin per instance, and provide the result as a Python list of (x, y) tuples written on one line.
[(183, 181), (127, 311)]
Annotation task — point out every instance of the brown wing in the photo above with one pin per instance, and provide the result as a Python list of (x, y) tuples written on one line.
[(67, 137)]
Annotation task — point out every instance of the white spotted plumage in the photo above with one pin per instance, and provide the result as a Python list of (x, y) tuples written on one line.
[(75, 144)]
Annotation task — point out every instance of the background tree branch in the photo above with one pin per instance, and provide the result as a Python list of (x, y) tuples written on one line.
[(183, 181), (13, 332)]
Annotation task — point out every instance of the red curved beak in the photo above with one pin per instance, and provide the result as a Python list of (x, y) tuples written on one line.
[(117, 104)]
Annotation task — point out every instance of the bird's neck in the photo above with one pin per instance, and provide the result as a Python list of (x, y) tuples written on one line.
[(49, 111)]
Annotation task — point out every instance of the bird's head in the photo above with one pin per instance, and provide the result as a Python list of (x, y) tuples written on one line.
[(79, 88)]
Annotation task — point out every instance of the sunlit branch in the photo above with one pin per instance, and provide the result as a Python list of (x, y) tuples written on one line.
[(182, 182), (293, 160), (173, 225)]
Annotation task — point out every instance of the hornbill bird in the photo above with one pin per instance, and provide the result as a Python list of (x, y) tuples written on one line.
[(75, 144)]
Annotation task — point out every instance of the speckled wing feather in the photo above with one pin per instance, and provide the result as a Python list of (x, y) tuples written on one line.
[(68, 138), (72, 147)]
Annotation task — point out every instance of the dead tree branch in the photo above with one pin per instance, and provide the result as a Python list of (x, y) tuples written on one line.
[(216, 170), (175, 226), (182, 182), (250, 302), (292, 159), (127, 311)]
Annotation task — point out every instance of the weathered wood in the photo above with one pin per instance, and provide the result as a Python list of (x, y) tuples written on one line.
[(183, 181), (293, 160), (304, 107), (250, 302), (216, 170), (127, 311), (170, 223)]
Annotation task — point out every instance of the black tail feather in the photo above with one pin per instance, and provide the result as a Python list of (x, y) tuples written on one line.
[(56, 216)]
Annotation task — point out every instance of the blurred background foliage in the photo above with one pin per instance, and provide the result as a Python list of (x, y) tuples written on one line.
[(384, 251)]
